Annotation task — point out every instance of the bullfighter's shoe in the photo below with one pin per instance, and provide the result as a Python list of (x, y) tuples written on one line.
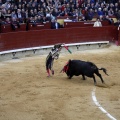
[(48, 73)]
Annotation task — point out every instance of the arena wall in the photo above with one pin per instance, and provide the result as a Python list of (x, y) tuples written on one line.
[(25, 43)]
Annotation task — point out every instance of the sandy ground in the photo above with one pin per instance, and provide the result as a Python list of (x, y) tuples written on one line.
[(27, 94)]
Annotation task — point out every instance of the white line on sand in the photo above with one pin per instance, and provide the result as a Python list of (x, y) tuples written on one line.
[(99, 106)]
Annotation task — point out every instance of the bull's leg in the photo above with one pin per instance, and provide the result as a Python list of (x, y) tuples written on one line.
[(100, 76), (70, 76), (83, 77), (94, 80)]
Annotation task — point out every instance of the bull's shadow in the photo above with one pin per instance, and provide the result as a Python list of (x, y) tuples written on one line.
[(79, 80)]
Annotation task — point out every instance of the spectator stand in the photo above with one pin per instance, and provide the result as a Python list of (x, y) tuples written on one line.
[(58, 9)]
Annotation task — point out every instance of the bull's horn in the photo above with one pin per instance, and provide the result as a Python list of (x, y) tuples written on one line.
[(61, 71)]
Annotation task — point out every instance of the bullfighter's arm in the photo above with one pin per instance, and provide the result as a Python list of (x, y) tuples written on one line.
[(55, 54)]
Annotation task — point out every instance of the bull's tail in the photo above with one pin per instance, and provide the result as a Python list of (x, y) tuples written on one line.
[(104, 70)]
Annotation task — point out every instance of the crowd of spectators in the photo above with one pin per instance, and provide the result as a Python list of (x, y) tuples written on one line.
[(42, 11)]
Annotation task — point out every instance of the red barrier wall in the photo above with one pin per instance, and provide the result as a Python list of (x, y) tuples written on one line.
[(83, 24), (7, 28), (25, 39), (118, 37)]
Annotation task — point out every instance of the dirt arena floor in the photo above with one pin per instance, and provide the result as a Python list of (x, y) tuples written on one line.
[(27, 94)]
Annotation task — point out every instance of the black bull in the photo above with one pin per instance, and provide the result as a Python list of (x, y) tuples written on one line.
[(78, 67)]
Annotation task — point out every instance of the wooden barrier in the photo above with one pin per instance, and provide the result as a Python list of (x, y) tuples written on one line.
[(83, 24), (39, 26), (23, 27), (8, 28), (27, 39)]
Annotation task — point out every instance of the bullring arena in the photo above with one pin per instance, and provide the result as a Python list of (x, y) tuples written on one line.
[(27, 94)]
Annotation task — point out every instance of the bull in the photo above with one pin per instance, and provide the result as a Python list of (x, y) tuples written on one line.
[(84, 68)]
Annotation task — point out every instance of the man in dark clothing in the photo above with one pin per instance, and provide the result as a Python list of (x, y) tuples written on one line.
[(55, 24), (54, 54)]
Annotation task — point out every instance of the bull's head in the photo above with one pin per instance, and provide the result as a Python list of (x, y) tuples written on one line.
[(66, 68)]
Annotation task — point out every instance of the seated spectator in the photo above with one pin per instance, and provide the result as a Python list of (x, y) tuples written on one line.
[(49, 16), (74, 13), (1, 3), (55, 24), (95, 13), (100, 12), (80, 2), (118, 14), (116, 10), (3, 11), (13, 15), (83, 18), (33, 20), (105, 11), (45, 19), (54, 12), (92, 1), (62, 13), (39, 19), (107, 18), (8, 13), (7, 21), (41, 12), (15, 24), (90, 14), (35, 12), (111, 12), (19, 16), (86, 13), (7, 4), (31, 13), (97, 23), (76, 19)]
